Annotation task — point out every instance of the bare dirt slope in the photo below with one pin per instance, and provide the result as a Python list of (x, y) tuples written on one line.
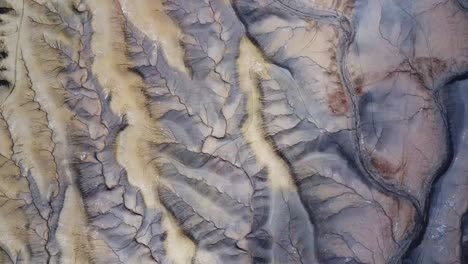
[(234, 131)]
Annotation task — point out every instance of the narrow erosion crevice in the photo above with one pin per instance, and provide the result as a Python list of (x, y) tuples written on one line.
[(456, 78), (17, 49), (447, 107), (252, 67), (463, 4), (375, 180), (114, 154), (464, 238), (5, 10), (346, 39)]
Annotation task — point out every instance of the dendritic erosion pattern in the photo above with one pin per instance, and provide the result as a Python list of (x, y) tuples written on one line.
[(234, 131)]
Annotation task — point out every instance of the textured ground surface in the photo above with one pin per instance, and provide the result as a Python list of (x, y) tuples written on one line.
[(234, 131)]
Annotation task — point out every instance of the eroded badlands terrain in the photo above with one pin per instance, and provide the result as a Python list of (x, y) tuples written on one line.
[(234, 131)]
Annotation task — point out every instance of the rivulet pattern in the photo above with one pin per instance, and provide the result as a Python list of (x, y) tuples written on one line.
[(234, 131)]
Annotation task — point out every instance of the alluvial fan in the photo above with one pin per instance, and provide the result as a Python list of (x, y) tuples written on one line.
[(234, 131)]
